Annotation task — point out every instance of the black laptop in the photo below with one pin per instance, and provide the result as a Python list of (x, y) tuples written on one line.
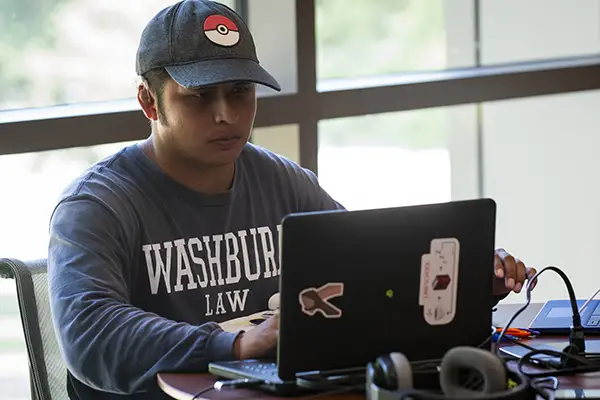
[(358, 284)]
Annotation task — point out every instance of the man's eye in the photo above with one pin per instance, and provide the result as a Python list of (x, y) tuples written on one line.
[(241, 89)]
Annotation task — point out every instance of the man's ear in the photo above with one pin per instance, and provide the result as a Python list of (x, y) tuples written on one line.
[(147, 102)]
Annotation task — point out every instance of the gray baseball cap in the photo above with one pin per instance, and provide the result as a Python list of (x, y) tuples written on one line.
[(201, 43)]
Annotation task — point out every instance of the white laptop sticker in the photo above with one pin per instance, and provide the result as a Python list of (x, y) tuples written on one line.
[(439, 275)]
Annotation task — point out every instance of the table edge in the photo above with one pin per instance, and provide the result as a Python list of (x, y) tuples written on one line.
[(172, 391)]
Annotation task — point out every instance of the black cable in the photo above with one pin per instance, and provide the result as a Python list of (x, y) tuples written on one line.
[(576, 337), (588, 363), (588, 356), (230, 384), (202, 391), (584, 364), (573, 359)]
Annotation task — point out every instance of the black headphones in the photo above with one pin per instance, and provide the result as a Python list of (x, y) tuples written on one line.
[(464, 373)]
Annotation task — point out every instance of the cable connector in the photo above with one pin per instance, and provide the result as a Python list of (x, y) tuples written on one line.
[(576, 346), (577, 336), (238, 383)]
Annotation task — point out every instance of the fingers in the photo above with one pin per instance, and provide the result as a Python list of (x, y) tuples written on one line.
[(530, 273), (276, 321), (259, 340), (513, 270), (519, 275), (273, 331), (510, 268), (498, 267), (273, 325)]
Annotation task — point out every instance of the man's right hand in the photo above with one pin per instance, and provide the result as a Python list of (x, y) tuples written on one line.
[(258, 341)]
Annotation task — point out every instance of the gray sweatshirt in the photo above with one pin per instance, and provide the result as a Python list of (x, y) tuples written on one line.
[(141, 268)]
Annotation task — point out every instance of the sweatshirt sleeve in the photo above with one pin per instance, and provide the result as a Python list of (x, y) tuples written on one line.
[(106, 342)]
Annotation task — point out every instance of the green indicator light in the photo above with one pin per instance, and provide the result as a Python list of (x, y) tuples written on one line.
[(389, 293)]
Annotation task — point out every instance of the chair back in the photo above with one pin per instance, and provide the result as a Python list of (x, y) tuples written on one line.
[(47, 368)]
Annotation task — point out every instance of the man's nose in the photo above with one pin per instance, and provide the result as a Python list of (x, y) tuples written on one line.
[(224, 111)]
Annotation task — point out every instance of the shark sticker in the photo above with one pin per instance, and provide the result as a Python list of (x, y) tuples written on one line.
[(315, 300)]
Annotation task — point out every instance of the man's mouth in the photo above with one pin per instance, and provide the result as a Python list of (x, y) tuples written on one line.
[(226, 141)]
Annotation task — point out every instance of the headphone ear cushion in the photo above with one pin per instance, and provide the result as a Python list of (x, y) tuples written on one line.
[(383, 374), (467, 372), (402, 371)]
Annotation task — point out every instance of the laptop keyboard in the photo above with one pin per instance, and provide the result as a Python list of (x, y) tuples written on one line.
[(260, 369)]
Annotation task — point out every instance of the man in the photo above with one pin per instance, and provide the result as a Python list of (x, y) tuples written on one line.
[(154, 246)]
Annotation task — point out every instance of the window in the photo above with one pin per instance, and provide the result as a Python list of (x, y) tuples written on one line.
[(46, 61), (540, 164), (396, 159), (397, 36), (275, 39), (517, 31), (36, 181), (385, 37)]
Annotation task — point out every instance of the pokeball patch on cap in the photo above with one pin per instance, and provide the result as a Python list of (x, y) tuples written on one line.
[(221, 30)]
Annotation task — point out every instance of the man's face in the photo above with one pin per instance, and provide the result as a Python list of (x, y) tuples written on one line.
[(209, 125)]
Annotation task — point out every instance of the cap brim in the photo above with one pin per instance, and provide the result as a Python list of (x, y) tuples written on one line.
[(213, 72)]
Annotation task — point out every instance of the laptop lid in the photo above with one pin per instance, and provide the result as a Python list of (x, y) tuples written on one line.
[(355, 285)]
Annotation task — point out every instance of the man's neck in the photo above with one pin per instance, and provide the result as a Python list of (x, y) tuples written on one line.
[(201, 178)]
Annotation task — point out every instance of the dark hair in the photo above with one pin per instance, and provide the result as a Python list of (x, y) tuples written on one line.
[(156, 79)]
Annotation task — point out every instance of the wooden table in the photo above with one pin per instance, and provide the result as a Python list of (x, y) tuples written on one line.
[(184, 386)]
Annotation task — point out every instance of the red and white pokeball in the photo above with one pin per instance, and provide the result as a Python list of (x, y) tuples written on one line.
[(221, 30)]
